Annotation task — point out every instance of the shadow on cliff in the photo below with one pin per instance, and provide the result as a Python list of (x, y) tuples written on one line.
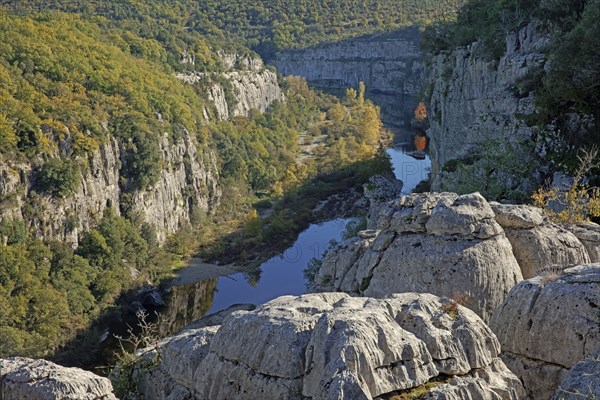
[(390, 64), (171, 308)]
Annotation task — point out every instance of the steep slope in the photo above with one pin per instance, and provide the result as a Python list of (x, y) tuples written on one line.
[(476, 102), (510, 81)]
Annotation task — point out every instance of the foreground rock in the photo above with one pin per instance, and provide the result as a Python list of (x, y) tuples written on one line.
[(589, 235), (438, 243), (583, 381), (333, 346), (542, 246), (24, 378), (547, 325)]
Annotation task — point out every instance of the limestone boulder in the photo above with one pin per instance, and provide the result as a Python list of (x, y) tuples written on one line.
[(438, 243), (548, 324), (542, 246), (24, 378), (333, 346), (588, 234), (547, 247), (511, 216), (582, 382)]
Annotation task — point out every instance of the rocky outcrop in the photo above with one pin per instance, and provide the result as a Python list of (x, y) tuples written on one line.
[(332, 346), (582, 382), (390, 65), (548, 324), (477, 99), (588, 234), (252, 86), (24, 378), (438, 243), (540, 245)]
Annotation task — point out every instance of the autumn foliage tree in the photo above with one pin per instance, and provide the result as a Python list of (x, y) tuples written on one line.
[(420, 117)]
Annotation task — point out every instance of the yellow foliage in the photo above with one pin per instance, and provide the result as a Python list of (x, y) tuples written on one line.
[(83, 144), (252, 224), (577, 204), (370, 125), (8, 139), (337, 113)]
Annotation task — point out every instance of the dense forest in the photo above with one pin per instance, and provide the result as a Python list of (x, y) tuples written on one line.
[(264, 26), (72, 81)]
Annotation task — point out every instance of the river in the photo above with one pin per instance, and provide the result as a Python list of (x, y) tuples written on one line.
[(201, 289)]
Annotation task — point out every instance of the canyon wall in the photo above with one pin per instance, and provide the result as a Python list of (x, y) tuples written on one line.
[(189, 177), (477, 99), (389, 64)]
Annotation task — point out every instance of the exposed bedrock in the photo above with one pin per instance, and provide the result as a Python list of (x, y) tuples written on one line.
[(542, 246), (189, 177), (453, 246), (438, 243), (548, 324), (390, 65), (583, 380), (476, 99), (333, 346), (24, 378)]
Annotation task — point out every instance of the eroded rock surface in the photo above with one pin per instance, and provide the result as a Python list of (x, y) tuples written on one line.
[(477, 99), (333, 346), (24, 378), (438, 243), (542, 246), (582, 382), (588, 234), (547, 324)]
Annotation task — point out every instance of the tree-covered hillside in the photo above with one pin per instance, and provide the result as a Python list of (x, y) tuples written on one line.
[(68, 81), (262, 25)]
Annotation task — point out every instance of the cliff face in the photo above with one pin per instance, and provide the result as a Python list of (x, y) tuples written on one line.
[(189, 179), (474, 99), (253, 86), (389, 65)]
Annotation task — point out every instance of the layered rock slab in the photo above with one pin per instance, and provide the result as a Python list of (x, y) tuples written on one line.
[(438, 243), (24, 378), (588, 234), (333, 346), (547, 324)]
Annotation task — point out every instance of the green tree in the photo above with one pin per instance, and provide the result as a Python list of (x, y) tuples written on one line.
[(59, 177)]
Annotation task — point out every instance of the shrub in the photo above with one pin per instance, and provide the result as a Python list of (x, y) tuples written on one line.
[(579, 202), (59, 177), (496, 169)]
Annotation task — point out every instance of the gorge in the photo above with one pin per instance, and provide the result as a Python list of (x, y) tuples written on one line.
[(150, 160)]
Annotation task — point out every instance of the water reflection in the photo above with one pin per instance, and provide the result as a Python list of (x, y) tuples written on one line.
[(409, 158), (186, 303), (195, 295), (279, 276)]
